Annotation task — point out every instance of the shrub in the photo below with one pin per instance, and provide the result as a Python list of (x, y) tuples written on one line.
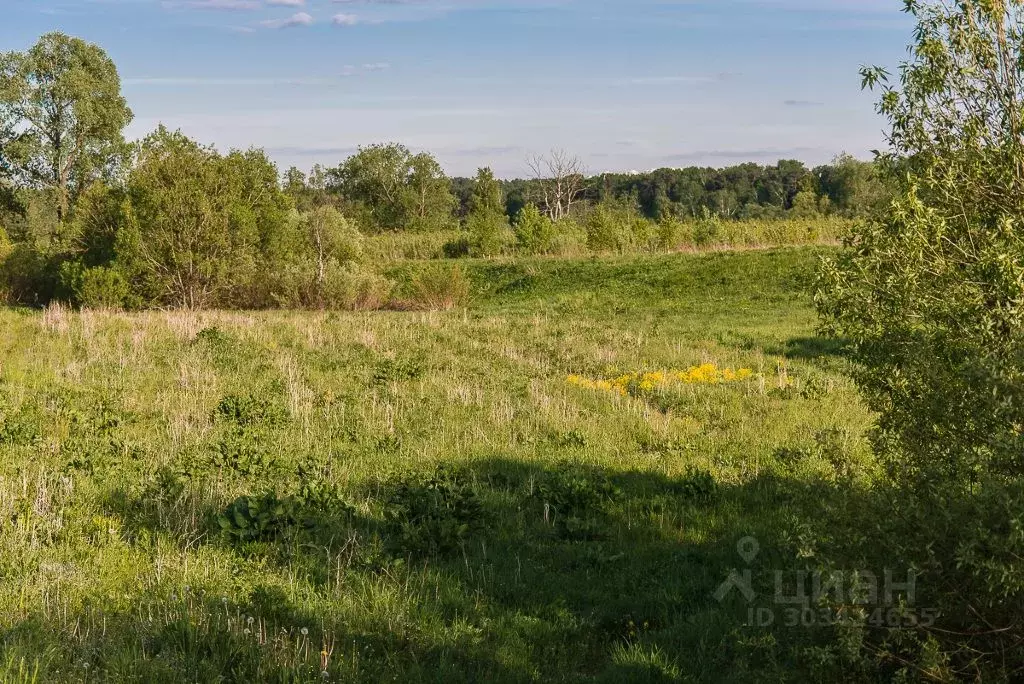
[(250, 410), (697, 485), (395, 370), (535, 232), (315, 512), (570, 238), (489, 233), (97, 287), (603, 230), (439, 287), (577, 501), (432, 514), (244, 453), (930, 296), (670, 231), (618, 227), (706, 229), (213, 337), (456, 248), (30, 275), (354, 287), (257, 518)]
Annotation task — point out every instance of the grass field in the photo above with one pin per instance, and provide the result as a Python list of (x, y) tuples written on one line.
[(394, 496)]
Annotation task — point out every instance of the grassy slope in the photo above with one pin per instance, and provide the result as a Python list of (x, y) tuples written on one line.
[(113, 473)]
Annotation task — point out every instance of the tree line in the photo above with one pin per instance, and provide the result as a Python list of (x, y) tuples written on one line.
[(87, 217)]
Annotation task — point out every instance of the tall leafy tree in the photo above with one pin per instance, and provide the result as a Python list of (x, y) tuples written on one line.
[(62, 114), (488, 226), (389, 188), (854, 187), (333, 241), (486, 196), (374, 180), (428, 196)]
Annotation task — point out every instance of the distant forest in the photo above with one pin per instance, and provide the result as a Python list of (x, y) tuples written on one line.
[(90, 218)]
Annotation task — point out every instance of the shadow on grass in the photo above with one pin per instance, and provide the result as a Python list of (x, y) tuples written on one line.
[(810, 348), (569, 573)]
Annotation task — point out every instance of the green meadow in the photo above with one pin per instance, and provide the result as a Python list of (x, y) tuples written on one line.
[(424, 495)]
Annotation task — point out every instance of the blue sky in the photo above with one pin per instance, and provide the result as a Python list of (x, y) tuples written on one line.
[(624, 84)]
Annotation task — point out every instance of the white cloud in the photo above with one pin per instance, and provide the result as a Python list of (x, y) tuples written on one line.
[(344, 20), (300, 19), (287, 3), (216, 4)]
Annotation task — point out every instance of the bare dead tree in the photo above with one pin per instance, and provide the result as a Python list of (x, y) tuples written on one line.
[(561, 179)]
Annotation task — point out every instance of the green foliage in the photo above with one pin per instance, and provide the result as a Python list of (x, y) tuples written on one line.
[(197, 222), (432, 514), (698, 485), (852, 187), (457, 247), (428, 196), (316, 513), (20, 426), (929, 293), (805, 205), (64, 97), (244, 453), (259, 518), (6, 249), (438, 287), (213, 336), (707, 228), (30, 275), (577, 502), (535, 232), (334, 243), (488, 234), (486, 196), (670, 231), (99, 287), (618, 227), (5, 246), (98, 214), (929, 296), (250, 410), (387, 188), (397, 370), (333, 236), (487, 226)]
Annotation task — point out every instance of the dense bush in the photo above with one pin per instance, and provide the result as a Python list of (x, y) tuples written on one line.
[(98, 287), (29, 275), (618, 227), (488, 234), (577, 502), (930, 297), (438, 287), (432, 514), (535, 232)]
